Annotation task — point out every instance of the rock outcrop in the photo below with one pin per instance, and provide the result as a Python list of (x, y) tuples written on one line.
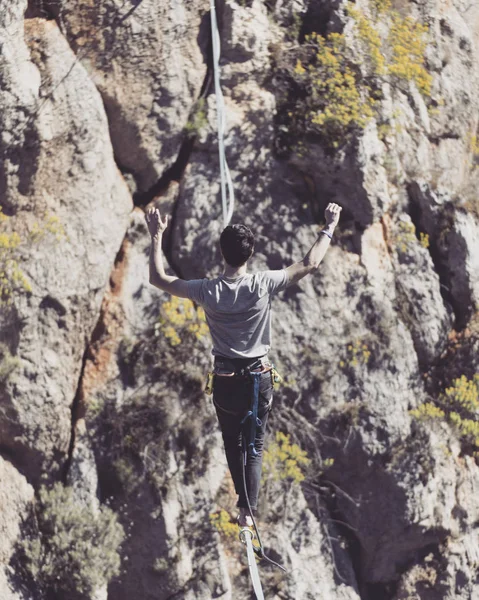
[(102, 376), (16, 496), (67, 155)]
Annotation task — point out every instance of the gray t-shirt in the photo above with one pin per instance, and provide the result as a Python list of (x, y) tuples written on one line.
[(238, 311)]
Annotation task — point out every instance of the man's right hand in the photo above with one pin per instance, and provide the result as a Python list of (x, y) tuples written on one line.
[(156, 225), (332, 213)]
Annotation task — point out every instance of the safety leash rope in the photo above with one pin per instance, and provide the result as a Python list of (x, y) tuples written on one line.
[(226, 181), (252, 417), (248, 437), (259, 550)]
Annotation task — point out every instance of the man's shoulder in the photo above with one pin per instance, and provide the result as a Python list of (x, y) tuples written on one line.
[(270, 274)]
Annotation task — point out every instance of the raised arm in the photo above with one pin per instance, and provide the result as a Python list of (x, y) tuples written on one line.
[(313, 258), (158, 277)]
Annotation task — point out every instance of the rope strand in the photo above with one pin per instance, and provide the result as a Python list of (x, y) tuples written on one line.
[(226, 181)]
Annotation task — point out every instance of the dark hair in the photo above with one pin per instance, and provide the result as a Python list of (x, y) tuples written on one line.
[(237, 244)]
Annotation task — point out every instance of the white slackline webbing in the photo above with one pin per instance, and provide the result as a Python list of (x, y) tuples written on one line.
[(246, 536), (226, 181)]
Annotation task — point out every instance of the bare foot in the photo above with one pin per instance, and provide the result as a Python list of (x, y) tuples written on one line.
[(244, 518)]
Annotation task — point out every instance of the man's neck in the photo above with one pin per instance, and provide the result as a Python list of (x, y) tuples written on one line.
[(234, 272)]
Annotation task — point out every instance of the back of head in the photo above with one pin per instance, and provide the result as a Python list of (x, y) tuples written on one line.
[(237, 244)]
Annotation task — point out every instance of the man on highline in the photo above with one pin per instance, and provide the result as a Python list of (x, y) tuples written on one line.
[(237, 306)]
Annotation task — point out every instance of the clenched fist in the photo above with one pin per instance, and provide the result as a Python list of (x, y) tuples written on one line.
[(332, 213), (156, 225)]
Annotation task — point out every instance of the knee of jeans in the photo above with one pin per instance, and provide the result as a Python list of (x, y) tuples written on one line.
[(259, 444)]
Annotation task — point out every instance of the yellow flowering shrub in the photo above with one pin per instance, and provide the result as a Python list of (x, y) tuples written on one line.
[(369, 39), (284, 460), (424, 240), (408, 44), (468, 428), (51, 225), (221, 521), (405, 237), (324, 90), (328, 462), (381, 6), (465, 393), (428, 410), (459, 405), (299, 69), (336, 103), (178, 317), (12, 278), (474, 148), (356, 353)]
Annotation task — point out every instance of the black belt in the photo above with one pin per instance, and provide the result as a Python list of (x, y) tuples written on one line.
[(238, 366)]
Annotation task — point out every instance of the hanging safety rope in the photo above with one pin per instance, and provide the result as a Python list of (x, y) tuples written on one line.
[(226, 181)]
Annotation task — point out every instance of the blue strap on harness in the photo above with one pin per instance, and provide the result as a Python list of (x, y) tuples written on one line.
[(251, 421)]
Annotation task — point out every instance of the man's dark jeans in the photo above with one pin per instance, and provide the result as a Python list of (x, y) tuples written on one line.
[(232, 397)]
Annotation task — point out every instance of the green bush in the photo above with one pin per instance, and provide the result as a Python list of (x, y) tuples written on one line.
[(76, 550), (198, 119)]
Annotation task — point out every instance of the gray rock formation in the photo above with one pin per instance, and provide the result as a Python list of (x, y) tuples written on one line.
[(104, 383), (73, 178), (16, 496), (148, 61)]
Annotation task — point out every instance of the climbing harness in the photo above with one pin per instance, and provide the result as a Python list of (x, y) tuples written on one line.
[(210, 377), (250, 421), (226, 181)]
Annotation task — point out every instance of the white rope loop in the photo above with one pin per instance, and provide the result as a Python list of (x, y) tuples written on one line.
[(226, 181)]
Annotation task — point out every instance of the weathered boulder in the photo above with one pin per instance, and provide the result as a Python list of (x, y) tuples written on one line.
[(71, 217), (148, 60), (16, 496), (106, 371), (455, 236)]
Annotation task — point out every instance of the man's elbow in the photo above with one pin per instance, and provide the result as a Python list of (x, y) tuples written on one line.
[(156, 282), (311, 266)]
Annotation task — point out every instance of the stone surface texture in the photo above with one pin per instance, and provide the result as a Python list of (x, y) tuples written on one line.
[(16, 495), (108, 107)]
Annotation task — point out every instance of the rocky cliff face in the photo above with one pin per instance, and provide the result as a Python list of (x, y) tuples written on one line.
[(107, 107)]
